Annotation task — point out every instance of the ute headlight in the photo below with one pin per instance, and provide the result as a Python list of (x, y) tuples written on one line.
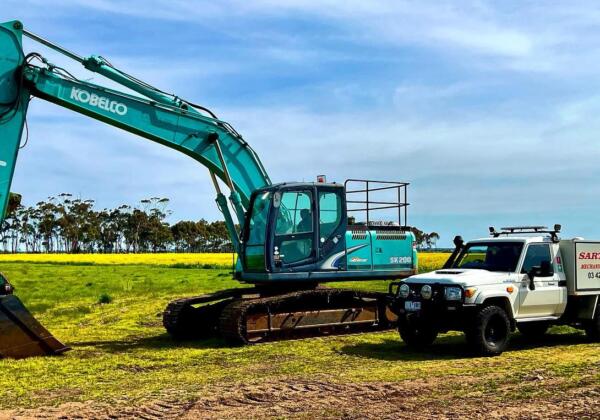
[(404, 290), (426, 292), (453, 293)]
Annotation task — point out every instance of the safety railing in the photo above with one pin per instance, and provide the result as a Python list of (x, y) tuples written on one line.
[(367, 196)]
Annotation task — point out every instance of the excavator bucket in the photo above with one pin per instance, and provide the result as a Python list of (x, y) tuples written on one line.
[(21, 335)]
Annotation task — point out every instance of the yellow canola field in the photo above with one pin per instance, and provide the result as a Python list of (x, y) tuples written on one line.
[(427, 260), (221, 259)]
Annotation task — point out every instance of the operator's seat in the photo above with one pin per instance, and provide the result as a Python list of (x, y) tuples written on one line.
[(305, 224)]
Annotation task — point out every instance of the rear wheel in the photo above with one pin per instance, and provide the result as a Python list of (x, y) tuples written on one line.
[(490, 331), (533, 329), (592, 328), (418, 334)]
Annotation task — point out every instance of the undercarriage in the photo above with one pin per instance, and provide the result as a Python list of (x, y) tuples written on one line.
[(260, 314)]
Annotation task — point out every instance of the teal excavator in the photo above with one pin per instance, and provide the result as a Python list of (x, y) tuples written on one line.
[(289, 237)]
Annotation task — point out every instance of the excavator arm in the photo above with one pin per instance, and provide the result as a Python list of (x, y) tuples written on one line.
[(156, 116), (159, 117)]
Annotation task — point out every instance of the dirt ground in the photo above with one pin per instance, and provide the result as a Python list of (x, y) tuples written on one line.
[(322, 399)]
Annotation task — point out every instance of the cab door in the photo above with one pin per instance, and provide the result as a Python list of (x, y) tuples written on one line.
[(331, 227), (546, 298), (294, 237)]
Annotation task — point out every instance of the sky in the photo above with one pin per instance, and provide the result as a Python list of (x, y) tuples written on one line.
[(489, 109)]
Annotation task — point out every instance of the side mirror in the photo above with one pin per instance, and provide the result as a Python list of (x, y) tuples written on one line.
[(546, 269), (531, 274)]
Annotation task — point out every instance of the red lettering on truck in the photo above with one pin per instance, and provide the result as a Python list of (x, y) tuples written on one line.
[(589, 255)]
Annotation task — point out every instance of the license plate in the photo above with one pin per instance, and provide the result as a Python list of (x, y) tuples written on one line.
[(412, 306)]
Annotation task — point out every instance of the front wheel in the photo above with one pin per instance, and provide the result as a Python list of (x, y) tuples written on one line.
[(490, 331), (592, 327), (418, 334)]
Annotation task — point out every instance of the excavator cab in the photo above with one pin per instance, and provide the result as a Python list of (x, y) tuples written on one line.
[(301, 232)]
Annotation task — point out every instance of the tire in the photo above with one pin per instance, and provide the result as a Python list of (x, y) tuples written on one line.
[(490, 332), (533, 329), (592, 328), (417, 335)]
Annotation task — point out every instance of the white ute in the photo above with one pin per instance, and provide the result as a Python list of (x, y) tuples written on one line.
[(520, 277)]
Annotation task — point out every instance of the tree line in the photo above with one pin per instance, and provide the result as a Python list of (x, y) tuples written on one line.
[(67, 224), (425, 240)]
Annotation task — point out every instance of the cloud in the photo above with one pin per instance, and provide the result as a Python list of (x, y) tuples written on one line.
[(487, 108)]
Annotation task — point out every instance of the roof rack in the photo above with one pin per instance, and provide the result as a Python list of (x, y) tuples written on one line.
[(517, 230)]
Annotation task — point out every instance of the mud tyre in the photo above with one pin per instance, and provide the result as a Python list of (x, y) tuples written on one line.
[(490, 332), (417, 335)]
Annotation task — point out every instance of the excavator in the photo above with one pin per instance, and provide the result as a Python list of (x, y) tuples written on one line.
[(290, 237)]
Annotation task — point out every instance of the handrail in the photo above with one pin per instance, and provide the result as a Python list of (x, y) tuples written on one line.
[(371, 186)]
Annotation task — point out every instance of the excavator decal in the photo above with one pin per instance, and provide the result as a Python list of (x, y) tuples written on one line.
[(333, 262)]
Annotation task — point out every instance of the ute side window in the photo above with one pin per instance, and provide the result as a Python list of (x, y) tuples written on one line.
[(330, 213), (536, 254)]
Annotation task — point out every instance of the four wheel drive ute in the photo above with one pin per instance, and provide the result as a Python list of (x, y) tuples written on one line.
[(523, 278)]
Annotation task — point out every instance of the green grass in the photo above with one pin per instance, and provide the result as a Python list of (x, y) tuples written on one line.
[(120, 350)]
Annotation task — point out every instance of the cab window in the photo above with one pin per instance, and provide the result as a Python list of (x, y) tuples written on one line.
[(294, 227), (330, 213), (535, 256), (295, 213), (257, 228)]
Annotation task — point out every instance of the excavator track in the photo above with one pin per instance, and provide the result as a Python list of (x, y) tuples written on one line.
[(198, 316), (248, 316), (303, 314)]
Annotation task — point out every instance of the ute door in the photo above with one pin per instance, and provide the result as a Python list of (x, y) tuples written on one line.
[(294, 238), (546, 298)]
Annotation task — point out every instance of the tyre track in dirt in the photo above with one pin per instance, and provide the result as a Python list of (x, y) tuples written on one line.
[(167, 408), (398, 400), (416, 399)]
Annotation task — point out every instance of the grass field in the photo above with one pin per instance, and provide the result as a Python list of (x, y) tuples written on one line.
[(122, 356)]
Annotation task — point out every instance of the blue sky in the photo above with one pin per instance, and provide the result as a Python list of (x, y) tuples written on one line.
[(489, 109)]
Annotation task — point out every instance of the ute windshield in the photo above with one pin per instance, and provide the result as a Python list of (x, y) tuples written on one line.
[(491, 256)]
